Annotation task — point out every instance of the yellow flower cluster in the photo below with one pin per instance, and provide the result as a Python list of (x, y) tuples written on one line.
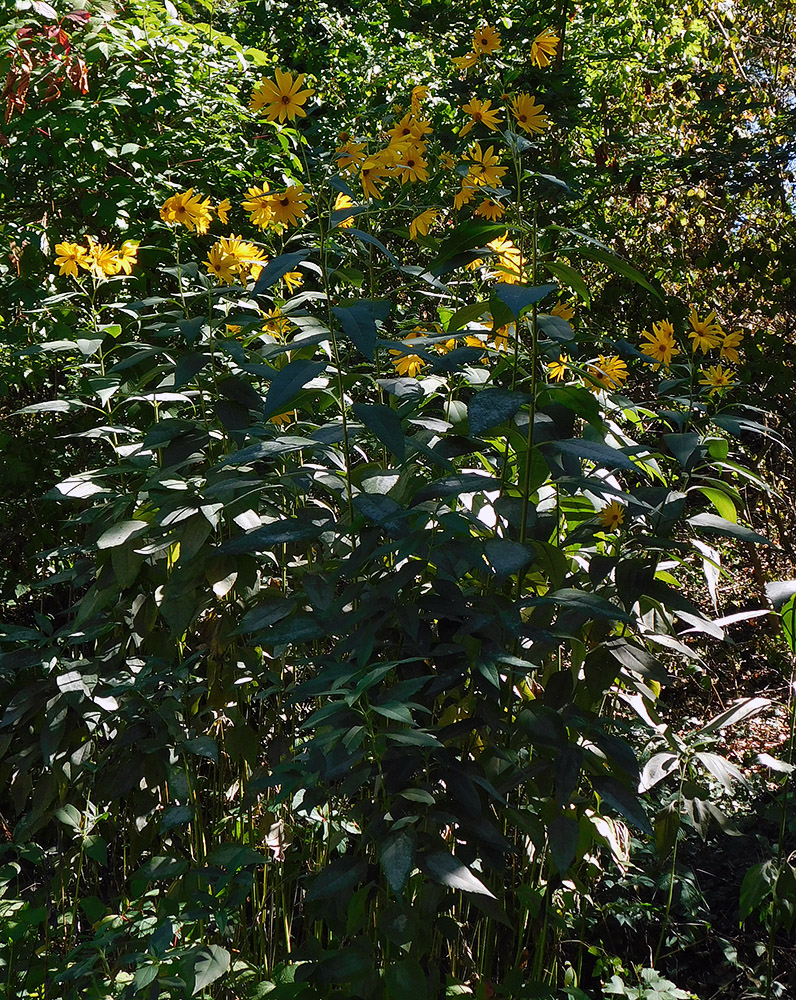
[(276, 209), (190, 210), (486, 40), (233, 259), (705, 335), (99, 259)]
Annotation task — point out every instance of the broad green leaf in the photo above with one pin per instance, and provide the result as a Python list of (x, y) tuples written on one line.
[(711, 524), (119, 533), (758, 883), (448, 870), (405, 979), (454, 486), (465, 236), (281, 532), (563, 833), (614, 263), (358, 321), (385, 424), (721, 501), (278, 268), (288, 382), (518, 298), (567, 275), (625, 801), (505, 557), (396, 857), (592, 451), (493, 406), (210, 963), (337, 879)]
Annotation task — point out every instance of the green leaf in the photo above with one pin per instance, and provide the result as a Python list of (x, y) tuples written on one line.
[(563, 834), (465, 315), (758, 883), (505, 557), (454, 486), (119, 533), (615, 264), (592, 451), (358, 321), (465, 236), (278, 268), (337, 879), (288, 382), (397, 859), (626, 802), (518, 298), (210, 963), (591, 604), (405, 979), (288, 529), (567, 275), (385, 424), (492, 406), (721, 501), (788, 615), (711, 524), (448, 870)]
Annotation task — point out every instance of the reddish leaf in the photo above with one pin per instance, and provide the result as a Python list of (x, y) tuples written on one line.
[(44, 9)]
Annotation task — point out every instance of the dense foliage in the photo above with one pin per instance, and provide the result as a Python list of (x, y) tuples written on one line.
[(385, 391)]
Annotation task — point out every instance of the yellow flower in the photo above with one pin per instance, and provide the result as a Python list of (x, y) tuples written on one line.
[(412, 166), (189, 210), (489, 209), (483, 166), (717, 378), (221, 264), (70, 256), (610, 372), (350, 156), (557, 370), (466, 61), (446, 160), (564, 310), (283, 418), (543, 47), (419, 94), (612, 516), (509, 259), (528, 113), (408, 364), (420, 224), (402, 130), (501, 338), (730, 345), (486, 40), (258, 205), (247, 259), (480, 114), (343, 201), (102, 260), (466, 194), (706, 333), (660, 346), (276, 323), (373, 172), (293, 280), (127, 255), (289, 206), (282, 98), (222, 209)]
